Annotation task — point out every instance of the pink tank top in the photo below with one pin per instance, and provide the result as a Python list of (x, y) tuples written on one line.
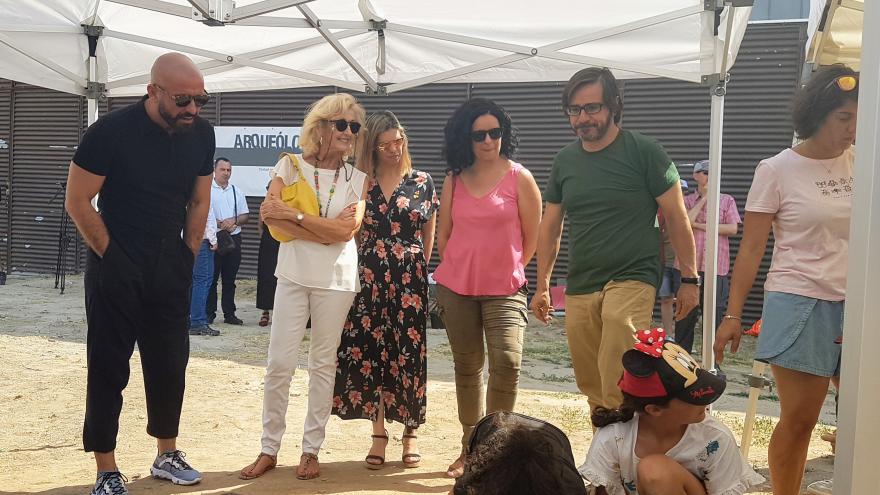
[(484, 253)]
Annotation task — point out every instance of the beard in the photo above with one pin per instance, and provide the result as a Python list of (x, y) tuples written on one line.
[(593, 132), (176, 122)]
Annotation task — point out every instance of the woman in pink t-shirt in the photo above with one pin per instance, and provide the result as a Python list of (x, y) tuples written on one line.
[(490, 209), (805, 195)]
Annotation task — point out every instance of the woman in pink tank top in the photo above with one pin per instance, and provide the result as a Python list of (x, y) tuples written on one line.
[(490, 209)]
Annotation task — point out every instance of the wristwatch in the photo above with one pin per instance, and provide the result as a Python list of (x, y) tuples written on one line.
[(691, 280), (299, 217)]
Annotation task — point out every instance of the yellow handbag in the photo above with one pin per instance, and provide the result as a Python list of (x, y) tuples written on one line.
[(299, 195)]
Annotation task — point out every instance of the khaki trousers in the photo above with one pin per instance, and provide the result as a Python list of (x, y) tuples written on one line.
[(502, 321), (600, 328)]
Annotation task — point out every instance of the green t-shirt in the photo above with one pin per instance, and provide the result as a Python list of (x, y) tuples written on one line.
[(609, 199)]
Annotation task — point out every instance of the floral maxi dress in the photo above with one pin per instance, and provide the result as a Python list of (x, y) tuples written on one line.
[(383, 349)]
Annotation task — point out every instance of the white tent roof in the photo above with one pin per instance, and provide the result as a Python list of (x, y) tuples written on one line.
[(293, 43), (838, 32)]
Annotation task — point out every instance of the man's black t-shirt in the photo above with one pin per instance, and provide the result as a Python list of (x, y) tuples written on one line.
[(149, 174)]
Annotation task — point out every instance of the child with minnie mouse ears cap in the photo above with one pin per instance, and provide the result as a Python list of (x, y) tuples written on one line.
[(661, 441)]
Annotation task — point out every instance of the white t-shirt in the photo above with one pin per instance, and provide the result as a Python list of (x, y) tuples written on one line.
[(226, 202), (312, 264), (812, 203), (707, 449)]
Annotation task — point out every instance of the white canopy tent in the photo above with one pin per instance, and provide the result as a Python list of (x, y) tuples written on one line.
[(100, 48)]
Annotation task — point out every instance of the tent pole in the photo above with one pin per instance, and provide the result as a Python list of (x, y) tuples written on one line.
[(716, 126), (93, 98), (858, 431)]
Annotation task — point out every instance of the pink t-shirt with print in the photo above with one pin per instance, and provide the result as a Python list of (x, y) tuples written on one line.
[(812, 203)]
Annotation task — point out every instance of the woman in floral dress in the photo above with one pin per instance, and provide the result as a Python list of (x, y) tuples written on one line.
[(382, 369)]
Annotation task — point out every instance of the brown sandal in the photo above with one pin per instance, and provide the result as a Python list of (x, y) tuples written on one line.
[(410, 460), (377, 465), (264, 320), (250, 467), (302, 471)]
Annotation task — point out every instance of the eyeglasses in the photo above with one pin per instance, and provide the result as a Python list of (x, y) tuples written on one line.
[(590, 108), (184, 100), (387, 145), (342, 125), (480, 136), (702, 172), (844, 83)]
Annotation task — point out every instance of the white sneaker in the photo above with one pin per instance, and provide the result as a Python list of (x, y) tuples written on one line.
[(823, 487)]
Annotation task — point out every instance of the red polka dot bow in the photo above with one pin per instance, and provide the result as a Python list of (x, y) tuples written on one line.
[(651, 341)]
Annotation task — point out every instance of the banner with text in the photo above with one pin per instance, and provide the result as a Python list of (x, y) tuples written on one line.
[(253, 152)]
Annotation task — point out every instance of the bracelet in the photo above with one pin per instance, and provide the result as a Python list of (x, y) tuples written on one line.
[(732, 317)]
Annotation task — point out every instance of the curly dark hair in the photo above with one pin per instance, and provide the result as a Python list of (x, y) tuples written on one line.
[(458, 148), (819, 98), (603, 417), (512, 460)]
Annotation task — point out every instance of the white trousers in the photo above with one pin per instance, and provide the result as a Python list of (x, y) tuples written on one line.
[(294, 304)]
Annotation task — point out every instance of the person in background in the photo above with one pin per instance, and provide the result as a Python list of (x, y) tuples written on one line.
[(671, 276), (728, 224), (230, 206), (203, 272), (490, 210), (804, 195), (317, 274), (267, 259), (382, 367)]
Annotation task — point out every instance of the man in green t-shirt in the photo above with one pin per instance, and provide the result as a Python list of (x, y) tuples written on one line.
[(609, 183)]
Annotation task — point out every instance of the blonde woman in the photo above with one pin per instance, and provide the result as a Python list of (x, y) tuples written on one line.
[(317, 274), (382, 362)]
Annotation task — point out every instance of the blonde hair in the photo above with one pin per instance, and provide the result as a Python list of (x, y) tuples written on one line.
[(368, 154), (320, 112)]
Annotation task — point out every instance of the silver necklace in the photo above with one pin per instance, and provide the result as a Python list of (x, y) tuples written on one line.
[(824, 164)]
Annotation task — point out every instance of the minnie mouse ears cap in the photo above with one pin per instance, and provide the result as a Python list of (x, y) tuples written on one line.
[(658, 368)]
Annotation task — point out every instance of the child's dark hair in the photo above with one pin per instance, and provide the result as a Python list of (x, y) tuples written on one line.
[(512, 460), (458, 145), (603, 417)]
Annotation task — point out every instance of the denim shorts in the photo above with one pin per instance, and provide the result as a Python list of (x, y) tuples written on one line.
[(801, 333), (670, 284)]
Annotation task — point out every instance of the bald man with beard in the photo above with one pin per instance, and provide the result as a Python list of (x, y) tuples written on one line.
[(151, 162)]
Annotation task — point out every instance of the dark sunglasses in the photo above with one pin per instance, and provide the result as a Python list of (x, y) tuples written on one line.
[(342, 125), (702, 172), (590, 108), (184, 100), (480, 136), (844, 83)]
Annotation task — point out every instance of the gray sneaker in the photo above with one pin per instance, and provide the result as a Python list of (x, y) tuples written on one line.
[(110, 483), (172, 466)]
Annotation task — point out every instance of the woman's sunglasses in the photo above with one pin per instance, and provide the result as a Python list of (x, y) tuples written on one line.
[(844, 83), (388, 145), (184, 100), (480, 136), (342, 125)]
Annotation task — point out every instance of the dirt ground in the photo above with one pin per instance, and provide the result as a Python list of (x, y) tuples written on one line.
[(42, 397)]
